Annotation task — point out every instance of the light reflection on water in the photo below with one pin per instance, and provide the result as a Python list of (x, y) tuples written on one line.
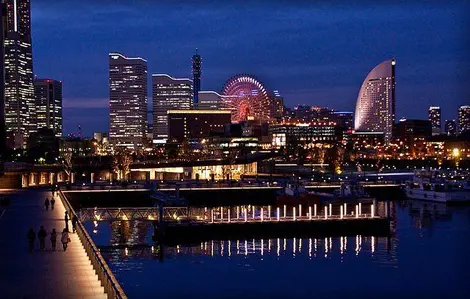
[(426, 239)]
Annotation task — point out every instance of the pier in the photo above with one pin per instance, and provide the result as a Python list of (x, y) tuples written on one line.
[(43, 274)]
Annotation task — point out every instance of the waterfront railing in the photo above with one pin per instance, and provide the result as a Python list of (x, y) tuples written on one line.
[(105, 275)]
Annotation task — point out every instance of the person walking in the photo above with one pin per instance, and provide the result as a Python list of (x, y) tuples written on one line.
[(66, 219), (31, 237), (46, 203), (65, 239), (53, 239), (74, 223), (42, 238), (52, 203)]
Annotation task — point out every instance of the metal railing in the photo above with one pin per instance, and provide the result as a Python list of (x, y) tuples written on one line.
[(105, 275)]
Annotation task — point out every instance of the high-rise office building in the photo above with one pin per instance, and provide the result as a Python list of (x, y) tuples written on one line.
[(375, 108), (277, 105), (435, 119), (48, 95), (451, 127), (19, 89), (464, 119), (127, 100), (3, 140), (197, 63), (168, 93)]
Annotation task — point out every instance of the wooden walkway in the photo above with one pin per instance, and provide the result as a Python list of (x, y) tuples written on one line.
[(40, 274)]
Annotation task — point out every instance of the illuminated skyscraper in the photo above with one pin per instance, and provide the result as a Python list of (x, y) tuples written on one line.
[(48, 95), (168, 93), (19, 89), (375, 107), (450, 127), (127, 100), (435, 119), (2, 82), (197, 62), (464, 119), (277, 106)]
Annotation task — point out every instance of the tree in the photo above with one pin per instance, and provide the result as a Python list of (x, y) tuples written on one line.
[(121, 164), (67, 162)]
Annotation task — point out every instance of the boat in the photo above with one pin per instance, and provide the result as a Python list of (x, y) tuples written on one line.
[(349, 192), (427, 186)]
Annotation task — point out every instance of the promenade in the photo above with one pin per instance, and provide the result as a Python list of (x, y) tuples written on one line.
[(40, 274)]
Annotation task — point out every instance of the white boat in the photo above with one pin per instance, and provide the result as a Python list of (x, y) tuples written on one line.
[(444, 191)]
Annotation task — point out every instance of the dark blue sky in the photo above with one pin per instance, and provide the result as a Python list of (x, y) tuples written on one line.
[(313, 52)]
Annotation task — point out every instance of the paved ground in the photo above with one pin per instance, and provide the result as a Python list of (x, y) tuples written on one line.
[(40, 274)]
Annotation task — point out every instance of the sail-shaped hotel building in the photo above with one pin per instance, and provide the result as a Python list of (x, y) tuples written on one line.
[(375, 107)]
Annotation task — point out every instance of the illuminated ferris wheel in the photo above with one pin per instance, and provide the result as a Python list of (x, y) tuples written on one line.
[(247, 98)]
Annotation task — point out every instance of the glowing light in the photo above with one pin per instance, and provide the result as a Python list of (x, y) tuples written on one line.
[(278, 214), (262, 216), (456, 152), (372, 210), (326, 212), (341, 212), (309, 213)]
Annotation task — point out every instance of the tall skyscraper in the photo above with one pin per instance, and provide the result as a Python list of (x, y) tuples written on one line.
[(375, 108), (450, 127), (277, 106), (48, 95), (464, 119), (19, 90), (197, 62), (127, 100), (435, 119), (3, 140), (168, 93)]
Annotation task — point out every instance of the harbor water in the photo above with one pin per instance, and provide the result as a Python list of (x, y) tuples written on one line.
[(426, 256)]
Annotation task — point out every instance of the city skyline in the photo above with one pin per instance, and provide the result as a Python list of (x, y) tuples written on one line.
[(303, 70)]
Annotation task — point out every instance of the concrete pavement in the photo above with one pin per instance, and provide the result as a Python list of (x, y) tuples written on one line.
[(40, 274)]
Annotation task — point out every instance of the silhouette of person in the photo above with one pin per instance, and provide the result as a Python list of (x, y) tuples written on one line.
[(66, 219), (65, 239), (42, 238), (46, 203), (53, 238), (74, 223), (52, 203)]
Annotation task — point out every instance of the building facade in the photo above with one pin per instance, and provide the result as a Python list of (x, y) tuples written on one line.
[(344, 119), (48, 100), (20, 111), (450, 127), (464, 119), (168, 94), (196, 124), (197, 72), (434, 116), (277, 106), (127, 100), (284, 134), (375, 107), (3, 140)]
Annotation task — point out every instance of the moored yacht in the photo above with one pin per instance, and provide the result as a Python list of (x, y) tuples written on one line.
[(425, 186)]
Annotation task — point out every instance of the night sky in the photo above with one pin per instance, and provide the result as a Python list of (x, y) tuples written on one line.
[(313, 52)]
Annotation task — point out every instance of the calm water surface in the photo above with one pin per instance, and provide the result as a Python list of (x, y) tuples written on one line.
[(428, 256)]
